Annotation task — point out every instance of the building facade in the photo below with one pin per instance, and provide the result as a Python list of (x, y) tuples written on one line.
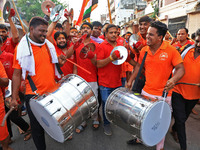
[(175, 13)]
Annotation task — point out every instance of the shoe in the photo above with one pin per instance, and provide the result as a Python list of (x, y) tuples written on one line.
[(107, 129), (175, 136), (134, 142)]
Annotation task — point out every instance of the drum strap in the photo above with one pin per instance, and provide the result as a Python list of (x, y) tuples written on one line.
[(57, 65), (32, 84), (139, 72)]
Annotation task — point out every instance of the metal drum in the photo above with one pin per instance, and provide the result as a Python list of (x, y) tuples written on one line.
[(60, 112), (138, 115)]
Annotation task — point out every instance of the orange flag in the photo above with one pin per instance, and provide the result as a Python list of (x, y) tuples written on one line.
[(79, 21)]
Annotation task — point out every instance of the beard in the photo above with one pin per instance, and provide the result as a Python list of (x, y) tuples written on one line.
[(4, 38), (62, 46)]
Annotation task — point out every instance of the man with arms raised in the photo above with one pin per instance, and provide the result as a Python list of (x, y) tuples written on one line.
[(87, 62), (161, 59), (9, 43)]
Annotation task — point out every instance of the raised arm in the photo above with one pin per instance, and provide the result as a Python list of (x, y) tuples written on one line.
[(50, 31), (14, 31)]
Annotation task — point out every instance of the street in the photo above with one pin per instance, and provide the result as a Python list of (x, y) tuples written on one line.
[(97, 140)]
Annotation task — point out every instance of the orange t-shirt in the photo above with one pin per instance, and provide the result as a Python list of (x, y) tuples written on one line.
[(87, 64), (142, 40), (109, 75), (126, 67), (158, 67), (192, 75), (44, 78), (2, 75)]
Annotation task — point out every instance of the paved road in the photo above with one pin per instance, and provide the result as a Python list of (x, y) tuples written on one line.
[(97, 140)]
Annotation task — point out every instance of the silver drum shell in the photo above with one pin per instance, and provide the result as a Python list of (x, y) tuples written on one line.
[(138, 115), (60, 112)]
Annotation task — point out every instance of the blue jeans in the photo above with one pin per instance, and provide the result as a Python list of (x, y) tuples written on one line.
[(105, 92), (123, 81)]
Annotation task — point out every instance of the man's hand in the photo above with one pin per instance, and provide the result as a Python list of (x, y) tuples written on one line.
[(116, 55), (12, 12), (129, 84), (86, 53), (14, 104), (169, 85), (61, 60)]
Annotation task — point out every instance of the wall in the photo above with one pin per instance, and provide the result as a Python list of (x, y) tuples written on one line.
[(193, 23)]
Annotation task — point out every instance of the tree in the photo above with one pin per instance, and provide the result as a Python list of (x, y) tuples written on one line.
[(31, 8)]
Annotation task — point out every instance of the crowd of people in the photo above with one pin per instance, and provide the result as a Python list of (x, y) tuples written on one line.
[(42, 57)]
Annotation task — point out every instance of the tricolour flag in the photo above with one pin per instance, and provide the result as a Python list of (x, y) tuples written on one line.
[(91, 5)]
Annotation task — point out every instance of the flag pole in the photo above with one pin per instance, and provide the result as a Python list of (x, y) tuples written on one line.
[(109, 11)]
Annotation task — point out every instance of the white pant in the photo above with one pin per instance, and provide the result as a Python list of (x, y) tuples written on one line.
[(94, 87)]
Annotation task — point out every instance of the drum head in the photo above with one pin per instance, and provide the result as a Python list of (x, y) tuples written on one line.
[(123, 53), (154, 126), (46, 119)]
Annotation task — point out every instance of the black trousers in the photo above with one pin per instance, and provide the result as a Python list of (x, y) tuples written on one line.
[(16, 119), (37, 130), (181, 111)]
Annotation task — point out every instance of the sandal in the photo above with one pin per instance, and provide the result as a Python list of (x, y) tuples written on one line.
[(80, 128), (23, 113), (20, 130), (69, 138), (134, 142), (95, 124), (27, 135)]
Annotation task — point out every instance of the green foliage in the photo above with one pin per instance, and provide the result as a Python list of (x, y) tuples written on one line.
[(31, 8), (155, 6)]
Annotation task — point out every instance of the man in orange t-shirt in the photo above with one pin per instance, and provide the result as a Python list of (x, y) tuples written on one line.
[(161, 59), (144, 23), (185, 97), (4, 135), (42, 74)]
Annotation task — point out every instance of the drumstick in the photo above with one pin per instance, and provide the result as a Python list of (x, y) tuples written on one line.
[(79, 66), (195, 84), (167, 31), (19, 17), (164, 98), (6, 116)]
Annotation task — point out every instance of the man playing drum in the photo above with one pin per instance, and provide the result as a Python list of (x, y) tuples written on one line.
[(35, 56), (161, 59), (109, 74)]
